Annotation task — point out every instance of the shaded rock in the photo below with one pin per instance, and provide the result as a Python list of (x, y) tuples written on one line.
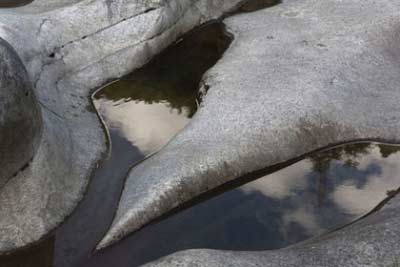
[(20, 118), (299, 76)]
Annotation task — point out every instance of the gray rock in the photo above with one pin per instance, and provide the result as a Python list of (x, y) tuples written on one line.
[(299, 76), (69, 48), (20, 118)]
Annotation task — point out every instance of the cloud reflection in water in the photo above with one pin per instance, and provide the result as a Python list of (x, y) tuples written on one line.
[(318, 194), (147, 126)]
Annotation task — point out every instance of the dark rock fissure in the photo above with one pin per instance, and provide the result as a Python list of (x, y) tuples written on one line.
[(159, 99), (74, 241), (251, 6), (14, 3)]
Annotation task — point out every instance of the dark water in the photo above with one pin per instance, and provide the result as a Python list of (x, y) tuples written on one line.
[(311, 197), (143, 111), (38, 256), (14, 3), (251, 6)]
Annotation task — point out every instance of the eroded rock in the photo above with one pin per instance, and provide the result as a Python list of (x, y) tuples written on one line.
[(69, 48), (299, 76)]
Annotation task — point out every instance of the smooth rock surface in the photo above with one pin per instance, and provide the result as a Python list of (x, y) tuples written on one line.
[(299, 76), (69, 48), (20, 118)]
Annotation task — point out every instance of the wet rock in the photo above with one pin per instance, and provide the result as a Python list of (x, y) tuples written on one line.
[(299, 76), (20, 118), (69, 48)]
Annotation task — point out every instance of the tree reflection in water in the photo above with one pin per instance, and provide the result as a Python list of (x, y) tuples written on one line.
[(309, 198), (315, 195), (322, 162)]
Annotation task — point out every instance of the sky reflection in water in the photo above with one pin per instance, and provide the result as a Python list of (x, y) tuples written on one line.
[(306, 199), (146, 126), (328, 189), (149, 106), (313, 196)]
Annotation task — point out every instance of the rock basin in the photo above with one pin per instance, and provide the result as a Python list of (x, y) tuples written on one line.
[(65, 62), (290, 83)]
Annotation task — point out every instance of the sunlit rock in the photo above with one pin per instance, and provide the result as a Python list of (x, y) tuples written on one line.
[(299, 76), (69, 48)]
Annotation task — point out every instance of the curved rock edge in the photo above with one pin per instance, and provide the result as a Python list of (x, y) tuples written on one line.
[(20, 116), (341, 59), (65, 62)]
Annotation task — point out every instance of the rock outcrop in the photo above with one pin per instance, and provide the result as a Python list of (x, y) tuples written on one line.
[(299, 76), (69, 48)]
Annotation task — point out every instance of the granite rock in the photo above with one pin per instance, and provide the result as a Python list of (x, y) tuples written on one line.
[(298, 77), (69, 48)]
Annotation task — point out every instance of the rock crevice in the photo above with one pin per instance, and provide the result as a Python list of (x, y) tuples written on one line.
[(299, 76), (68, 50)]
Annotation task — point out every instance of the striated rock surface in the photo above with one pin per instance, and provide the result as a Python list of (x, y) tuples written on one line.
[(299, 76), (69, 48)]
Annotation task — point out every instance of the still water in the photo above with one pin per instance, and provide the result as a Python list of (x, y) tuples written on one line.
[(149, 106), (313, 196), (142, 112)]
